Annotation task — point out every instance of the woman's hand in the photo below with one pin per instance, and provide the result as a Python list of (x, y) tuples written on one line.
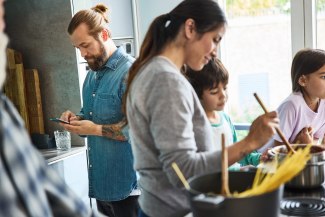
[(260, 132), (262, 129)]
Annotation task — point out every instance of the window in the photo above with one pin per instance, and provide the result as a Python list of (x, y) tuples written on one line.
[(257, 53), (320, 24)]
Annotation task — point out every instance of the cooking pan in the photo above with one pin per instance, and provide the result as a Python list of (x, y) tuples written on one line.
[(312, 175), (203, 204)]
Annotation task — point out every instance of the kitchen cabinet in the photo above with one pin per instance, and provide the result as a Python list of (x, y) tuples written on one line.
[(71, 165), (147, 11), (120, 16), (77, 5)]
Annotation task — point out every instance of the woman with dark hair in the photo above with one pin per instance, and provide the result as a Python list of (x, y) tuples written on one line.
[(166, 119)]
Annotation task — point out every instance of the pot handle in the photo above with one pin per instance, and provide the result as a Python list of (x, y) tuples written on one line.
[(207, 202), (319, 163)]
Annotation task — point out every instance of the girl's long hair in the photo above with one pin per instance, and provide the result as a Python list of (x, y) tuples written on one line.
[(305, 62)]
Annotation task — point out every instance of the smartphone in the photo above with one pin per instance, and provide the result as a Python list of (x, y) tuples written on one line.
[(59, 120)]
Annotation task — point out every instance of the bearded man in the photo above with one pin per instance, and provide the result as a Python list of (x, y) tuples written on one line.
[(112, 179)]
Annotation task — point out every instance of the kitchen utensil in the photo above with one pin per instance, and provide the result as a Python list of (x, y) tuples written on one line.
[(312, 175), (224, 168), (285, 141), (205, 205), (181, 176)]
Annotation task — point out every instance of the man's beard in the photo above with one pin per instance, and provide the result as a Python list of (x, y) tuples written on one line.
[(3, 58), (98, 60)]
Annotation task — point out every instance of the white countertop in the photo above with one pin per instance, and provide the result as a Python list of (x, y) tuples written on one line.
[(54, 155)]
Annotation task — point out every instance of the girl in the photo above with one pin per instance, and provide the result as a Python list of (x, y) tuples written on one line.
[(302, 114), (210, 84), (167, 122)]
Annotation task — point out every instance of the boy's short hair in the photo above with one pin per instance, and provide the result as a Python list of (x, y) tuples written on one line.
[(209, 77)]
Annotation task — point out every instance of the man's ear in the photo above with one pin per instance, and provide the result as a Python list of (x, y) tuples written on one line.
[(104, 34), (190, 30)]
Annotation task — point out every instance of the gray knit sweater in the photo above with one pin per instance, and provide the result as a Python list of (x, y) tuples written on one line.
[(167, 124)]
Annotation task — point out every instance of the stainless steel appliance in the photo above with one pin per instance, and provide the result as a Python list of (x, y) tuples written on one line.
[(127, 43), (305, 194), (312, 175), (303, 202)]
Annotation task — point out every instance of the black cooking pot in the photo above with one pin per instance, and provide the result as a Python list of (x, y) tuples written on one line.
[(205, 205)]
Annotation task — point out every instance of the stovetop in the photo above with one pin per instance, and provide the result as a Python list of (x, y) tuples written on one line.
[(303, 202)]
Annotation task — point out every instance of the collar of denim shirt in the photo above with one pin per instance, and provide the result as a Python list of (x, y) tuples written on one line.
[(114, 58)]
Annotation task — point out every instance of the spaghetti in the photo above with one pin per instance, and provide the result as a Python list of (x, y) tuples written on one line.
[(285, 171)]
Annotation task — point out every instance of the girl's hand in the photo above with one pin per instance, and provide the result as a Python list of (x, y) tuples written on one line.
[(305, 136), (323, 140), (265, 157)]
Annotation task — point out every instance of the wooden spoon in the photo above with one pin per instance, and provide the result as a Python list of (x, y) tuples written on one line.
[(224, 168), (287, 144), (181, 176)]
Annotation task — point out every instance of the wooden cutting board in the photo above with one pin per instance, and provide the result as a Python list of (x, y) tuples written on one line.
[(34, 102), (16, 91), (22, 87)]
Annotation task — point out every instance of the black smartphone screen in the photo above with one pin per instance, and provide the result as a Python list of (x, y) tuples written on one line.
[(59, 120)]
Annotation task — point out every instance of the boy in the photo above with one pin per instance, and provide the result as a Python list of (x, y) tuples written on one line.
[(210, 85)]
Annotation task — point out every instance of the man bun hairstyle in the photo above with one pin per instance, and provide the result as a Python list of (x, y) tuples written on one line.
[(103, 9), (95, 18)]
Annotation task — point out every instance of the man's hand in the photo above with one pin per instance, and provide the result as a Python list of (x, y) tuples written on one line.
[(87, 128), (83, 127), (68, 116)]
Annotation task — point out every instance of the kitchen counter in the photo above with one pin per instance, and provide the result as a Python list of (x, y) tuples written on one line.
[(53, 155), (71, 166)]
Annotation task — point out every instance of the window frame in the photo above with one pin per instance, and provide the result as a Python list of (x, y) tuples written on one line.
[(303, 24), (303, 31)]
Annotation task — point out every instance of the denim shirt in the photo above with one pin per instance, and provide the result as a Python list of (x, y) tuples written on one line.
[(111, 173)]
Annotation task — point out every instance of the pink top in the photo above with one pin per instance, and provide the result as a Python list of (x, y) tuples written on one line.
[(295, 114)]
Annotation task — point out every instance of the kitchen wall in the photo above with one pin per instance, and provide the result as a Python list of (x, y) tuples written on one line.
[(38, 30)]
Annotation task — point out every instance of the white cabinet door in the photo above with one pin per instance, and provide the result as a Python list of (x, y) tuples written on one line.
[(147, 10), (120, 15)]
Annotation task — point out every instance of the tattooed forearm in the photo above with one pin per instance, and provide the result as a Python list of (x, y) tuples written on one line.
[(114, 131)]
